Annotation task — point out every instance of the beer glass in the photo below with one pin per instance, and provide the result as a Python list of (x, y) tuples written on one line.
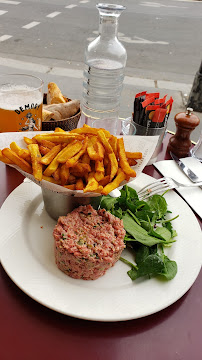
[(21, 98)]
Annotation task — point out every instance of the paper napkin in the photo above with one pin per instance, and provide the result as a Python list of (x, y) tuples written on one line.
[(192, 195)]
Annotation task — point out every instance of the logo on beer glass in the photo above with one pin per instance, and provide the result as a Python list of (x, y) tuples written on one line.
[(29, 121)]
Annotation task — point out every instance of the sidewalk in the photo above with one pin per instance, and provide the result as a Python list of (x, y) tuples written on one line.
[(70, 81)]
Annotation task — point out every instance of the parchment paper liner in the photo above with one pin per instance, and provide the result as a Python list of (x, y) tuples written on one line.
[(144, 144)]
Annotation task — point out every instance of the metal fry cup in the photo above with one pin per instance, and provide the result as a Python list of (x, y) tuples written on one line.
[(57, 204)]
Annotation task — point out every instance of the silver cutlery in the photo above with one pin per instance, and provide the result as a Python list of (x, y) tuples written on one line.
[(160, 186), (188, 172)]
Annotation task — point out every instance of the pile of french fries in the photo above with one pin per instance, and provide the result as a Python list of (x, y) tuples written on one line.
[(86, 158)]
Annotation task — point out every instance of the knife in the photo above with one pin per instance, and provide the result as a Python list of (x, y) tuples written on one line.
[(190, 174)]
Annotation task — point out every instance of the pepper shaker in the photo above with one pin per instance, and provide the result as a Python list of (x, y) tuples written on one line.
[(180, 143)]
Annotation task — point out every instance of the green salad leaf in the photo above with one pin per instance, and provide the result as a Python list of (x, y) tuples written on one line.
[(158, 204), (147, 232)]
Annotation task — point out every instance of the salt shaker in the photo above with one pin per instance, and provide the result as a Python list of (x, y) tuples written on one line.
[(180, 143)]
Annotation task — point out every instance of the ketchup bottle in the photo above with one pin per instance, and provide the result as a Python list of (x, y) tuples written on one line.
[(180, 143)]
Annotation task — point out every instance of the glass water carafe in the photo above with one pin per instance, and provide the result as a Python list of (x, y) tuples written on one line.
[(105, 60)]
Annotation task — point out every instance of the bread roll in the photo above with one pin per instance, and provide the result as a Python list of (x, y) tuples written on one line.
[(54, 95), (64, 111), (46, 115)]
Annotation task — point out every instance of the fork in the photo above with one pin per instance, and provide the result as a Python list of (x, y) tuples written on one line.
[(162, 185)]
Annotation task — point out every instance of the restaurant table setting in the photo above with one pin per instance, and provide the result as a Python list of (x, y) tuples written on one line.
[(148, 304), (28, 240), (54, 331)]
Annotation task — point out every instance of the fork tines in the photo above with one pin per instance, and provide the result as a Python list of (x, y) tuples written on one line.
[(156, 187)]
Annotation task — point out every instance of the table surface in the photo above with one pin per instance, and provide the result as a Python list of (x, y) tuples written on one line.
[(30, 331)]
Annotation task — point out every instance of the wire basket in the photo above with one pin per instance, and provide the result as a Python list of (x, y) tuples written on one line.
[(67, 124)]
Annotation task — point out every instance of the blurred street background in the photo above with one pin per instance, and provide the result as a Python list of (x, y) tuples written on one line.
[(163, 40)]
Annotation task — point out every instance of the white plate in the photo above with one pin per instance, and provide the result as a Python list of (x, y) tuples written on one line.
[(26, 250)]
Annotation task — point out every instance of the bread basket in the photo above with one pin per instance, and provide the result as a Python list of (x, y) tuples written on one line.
[(65, 124)]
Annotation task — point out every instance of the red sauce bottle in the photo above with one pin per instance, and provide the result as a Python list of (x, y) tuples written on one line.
[(180, 143)]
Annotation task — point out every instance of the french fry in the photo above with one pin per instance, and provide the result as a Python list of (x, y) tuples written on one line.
[(114, 184), (82, 168), (123, 160), (85, 159), (58, 129), (99, 166), (133, 155), (64, 174), (69, 151), (72, 179), (99, 175), (86, 177), (70, 186), (73, 161), (14, 147), (5, 159), (48, 144), (23, 164), (106, 160), (58, 137), (100, 150), (43, 150), (113, 143), (89, 131), (56, 174), (107, 164), (99, 170), (54, 163), (46, 159), (23, 153), (95, 149), (104, 141), (79, 184), (92, 149), (103, 182), (36, 164), (92, 184), (29, 141), (113, 165), (78, 174), (132, 162), (98, 190), (127, 177), (51, 167), (51, 179)]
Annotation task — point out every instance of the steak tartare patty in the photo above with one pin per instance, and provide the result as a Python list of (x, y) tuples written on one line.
[(88, 242)]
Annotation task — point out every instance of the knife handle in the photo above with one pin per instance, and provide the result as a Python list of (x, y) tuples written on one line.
[(180, 143)]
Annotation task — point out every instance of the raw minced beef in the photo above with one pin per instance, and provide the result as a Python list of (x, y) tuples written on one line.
[(88, 242)]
